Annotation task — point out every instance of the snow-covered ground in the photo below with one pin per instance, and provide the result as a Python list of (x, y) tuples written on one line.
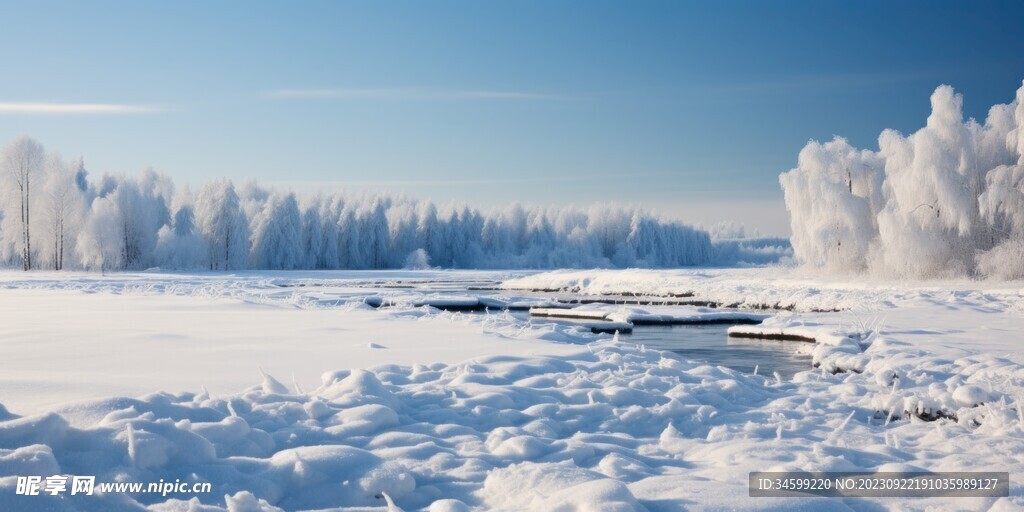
[(453, 411), (61, 346)]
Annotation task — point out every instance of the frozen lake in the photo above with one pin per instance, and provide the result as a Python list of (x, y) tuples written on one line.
[(707, 343), (82, 336)]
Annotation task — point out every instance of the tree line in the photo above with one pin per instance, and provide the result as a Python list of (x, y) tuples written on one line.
[(53, 215)]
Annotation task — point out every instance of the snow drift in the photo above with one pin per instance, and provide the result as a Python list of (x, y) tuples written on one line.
[(933, 380), (946, 200)]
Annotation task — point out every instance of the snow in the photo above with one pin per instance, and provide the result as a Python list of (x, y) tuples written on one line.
[(62, 346), (498, 432), (133, 222), (612, 317), (486, 411), (781, 287), (140, 221), (946, 200), (580, 312)]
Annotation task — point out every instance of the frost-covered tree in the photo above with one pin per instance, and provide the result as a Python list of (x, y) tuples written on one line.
[(223, 225), (350, 254), (472, 225), (123, 226), (402, 224), (22, 161), (133, 222), (931, 213), (834, 197), (81, 175), (494, 238), (277, 241), (944, 200), (417, 260), (330, 211), (179, 245), (252, 198), (541, 240), (64, 205), (428, 232), (377, 242), (1002, 203), (312, 235)]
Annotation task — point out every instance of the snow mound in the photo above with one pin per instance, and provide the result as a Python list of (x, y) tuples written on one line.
[(556, 486), (615, 427), (495, 433)]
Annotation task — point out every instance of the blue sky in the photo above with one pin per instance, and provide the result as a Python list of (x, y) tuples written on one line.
[(691, 109)]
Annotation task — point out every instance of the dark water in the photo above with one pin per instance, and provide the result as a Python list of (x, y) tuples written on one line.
[(711, 344), (704, 343)]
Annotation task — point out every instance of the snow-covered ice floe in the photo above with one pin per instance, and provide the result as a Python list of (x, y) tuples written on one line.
[(910, 376), (461, 303), (618, 318), (653, 315), (781, 288)]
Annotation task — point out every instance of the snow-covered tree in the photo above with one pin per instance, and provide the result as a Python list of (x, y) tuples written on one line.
[(350, 254), (330, 211), (277, 241), (312, 235), (944, 200), (402, 224), (22, 160), (132, 222), (377, 240), (64, 205), (179, 245), (223, 225), (122, 229), (428, 232)]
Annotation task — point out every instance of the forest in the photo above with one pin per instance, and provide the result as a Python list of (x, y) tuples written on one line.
[(56, 216)]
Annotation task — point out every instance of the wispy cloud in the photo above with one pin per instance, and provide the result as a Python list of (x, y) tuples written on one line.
[(42, 107), (409, 93)]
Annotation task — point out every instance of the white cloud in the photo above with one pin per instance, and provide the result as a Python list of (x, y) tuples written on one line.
[(416, 93), (41, 107)]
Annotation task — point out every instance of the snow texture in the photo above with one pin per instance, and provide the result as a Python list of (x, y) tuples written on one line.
[(915, 377), (947, 200)]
